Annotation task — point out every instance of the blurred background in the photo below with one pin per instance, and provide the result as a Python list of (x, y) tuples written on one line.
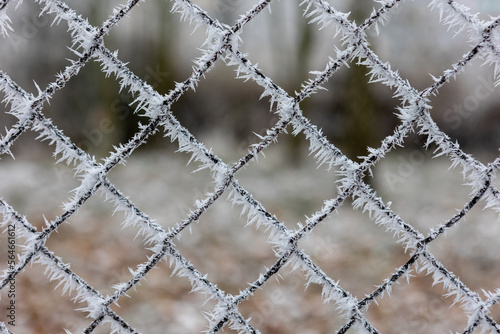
[(352, 113), (225, 114)]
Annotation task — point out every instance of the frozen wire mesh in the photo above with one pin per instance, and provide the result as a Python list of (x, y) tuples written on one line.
[(223, 45)]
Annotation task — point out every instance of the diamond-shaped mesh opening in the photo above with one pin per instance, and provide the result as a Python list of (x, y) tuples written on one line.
[(353, 250), (33, 31), (33, 294), (165, 196), (417, 307), (34, 186), (217, 245), (222, 117), (285, 306), (354, 113), (290, 34), (166, 303), (422, 189), (402, 31), (101, 116), (288, 185), (469, 250), (163, 63), (471, 117), (92, 231)]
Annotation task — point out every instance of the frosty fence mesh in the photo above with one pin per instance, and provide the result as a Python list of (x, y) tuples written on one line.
[(222, 44)]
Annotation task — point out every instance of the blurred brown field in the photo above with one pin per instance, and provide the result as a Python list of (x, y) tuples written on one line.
[(348, 246)]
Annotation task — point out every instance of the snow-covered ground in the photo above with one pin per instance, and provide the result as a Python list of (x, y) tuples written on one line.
[(348, 246)]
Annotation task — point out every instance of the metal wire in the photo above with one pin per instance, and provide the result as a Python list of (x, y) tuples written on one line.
[(223, 46)]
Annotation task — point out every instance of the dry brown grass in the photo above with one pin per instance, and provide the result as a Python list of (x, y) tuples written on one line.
[(348, 246)]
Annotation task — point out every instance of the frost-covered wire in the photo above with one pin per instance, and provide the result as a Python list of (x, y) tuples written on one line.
[(222, 44)]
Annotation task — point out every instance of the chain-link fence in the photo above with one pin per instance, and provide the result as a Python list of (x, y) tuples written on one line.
[(27, 244)]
